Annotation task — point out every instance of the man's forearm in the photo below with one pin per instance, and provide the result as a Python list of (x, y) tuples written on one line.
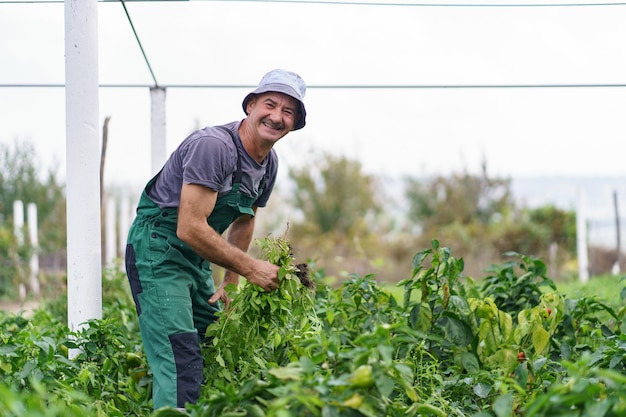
[(239, 235), (241, 232), (211, 246)]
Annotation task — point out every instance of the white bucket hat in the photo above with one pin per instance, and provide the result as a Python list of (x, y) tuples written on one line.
[(285, 82)]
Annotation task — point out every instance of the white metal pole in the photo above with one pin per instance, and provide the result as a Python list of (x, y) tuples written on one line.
[(18, 231), (158, 136), (111, 235), (18, 221), (124, 223), (581, 238), (33, 232), (618, 247), (84, 258)]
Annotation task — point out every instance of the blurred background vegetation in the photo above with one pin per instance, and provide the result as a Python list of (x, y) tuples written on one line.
[(348, 222), (338, 218)]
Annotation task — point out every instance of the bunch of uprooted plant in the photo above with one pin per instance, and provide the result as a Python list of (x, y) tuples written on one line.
[(259, 328)]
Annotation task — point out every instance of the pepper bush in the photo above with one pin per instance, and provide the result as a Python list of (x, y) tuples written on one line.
[(507, 344)]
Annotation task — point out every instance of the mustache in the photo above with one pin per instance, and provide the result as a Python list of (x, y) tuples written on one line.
[(266, 121)]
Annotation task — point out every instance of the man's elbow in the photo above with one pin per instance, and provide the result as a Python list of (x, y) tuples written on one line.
[(244, 219), (185, 233)]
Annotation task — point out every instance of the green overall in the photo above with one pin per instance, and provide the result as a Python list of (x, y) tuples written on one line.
[(171, 286)]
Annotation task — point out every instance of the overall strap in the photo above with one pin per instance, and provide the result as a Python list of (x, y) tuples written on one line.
[(239, 173)]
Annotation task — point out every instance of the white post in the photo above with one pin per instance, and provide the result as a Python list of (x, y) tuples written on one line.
[(18, 221), (157, 120), (33, 232), (111, 235), (581, 238), (84, 258), (618, 247), (18, 231), (124, 223)]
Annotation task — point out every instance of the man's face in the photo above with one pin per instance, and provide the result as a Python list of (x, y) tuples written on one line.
[(273, 114)]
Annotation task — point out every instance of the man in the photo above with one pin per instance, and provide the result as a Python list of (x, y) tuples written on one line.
[(216, 178)]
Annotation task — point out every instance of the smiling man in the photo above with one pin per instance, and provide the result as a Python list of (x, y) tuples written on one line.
[(215, 179)]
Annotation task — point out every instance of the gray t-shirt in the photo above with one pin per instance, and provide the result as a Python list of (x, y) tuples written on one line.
[(208, 157)]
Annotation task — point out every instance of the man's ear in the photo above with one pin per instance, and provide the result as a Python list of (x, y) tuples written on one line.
[(250, 104)]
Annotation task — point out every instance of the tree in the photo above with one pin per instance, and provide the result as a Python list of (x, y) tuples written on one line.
[(334, 195), (561, 225), (478, 217), (461, 198), (339, 207)]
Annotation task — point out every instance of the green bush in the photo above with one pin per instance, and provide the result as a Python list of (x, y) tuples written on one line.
[(14, 266), (448, 347)]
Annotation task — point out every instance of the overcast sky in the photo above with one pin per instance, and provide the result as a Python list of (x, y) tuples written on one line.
[(520, 132)]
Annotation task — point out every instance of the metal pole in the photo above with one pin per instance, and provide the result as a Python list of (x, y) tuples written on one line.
[(33, 232), (581, 239), (18, 221), (111, 233), (158, 136), (125, 221), (84, 265), (18, 231), (618, 248)]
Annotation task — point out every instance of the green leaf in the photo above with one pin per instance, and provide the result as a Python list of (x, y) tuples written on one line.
[(505, 324), (260, 361), (470, 362), (482, 389), (286, 373), (460, 304), (330, 316), (503, 358), (541, 340), (419, 257), (420, 317), (254, 410), (277, 339), (169, 412), (456, 331), (503, 406), (386, 352), (429, 410), (220, 360), (385, 385)]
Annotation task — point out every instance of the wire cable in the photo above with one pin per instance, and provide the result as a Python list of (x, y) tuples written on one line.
[(378, 3), (338, 2), (156, 84), (341, 86), (348, 3)]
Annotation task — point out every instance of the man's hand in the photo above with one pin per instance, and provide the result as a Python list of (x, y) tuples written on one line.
[(264, 275), (221, 295)]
